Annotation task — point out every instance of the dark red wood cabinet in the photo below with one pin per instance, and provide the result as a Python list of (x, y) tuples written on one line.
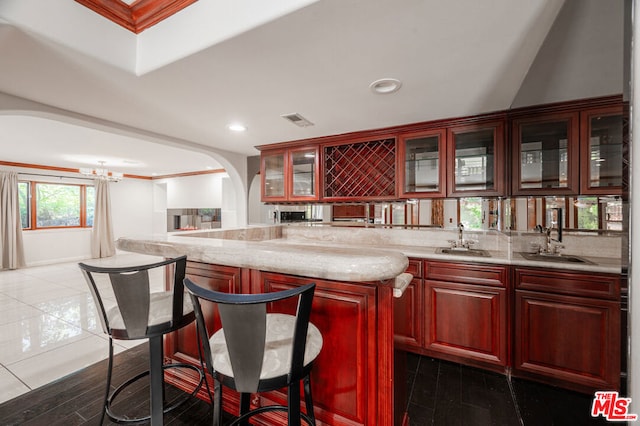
[(567, 328), (476, 159), (601, 147), (181, 345), (568, 148), (421, 164), (408, 311), (466, 313), (354, 378), (456, 311), (565, 148), (360, 170), (545, 151), (290, 174)]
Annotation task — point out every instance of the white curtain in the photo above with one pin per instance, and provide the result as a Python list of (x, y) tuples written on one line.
[(102, 244), (11, 247)]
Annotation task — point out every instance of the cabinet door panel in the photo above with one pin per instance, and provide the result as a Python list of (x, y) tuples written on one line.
[(182, 343), (273, 173), (408, 316), (345, 315), (466, 321), (421, 164), (545, 154), (602, 134), (475, 160), (303, 168), (568, 340)]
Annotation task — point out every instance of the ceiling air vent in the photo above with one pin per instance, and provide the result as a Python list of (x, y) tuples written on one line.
[(297, 119)]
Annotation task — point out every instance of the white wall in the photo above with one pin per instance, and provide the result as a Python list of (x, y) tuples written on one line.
[(257, 211), (215, 190), (159, 207), (132, 207), (229, 216), (193, 192)]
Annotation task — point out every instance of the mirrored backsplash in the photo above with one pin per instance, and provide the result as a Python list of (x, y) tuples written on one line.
[(594, 214)]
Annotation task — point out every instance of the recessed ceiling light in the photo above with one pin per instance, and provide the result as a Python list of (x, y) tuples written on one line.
[(237, 127), (385, 86)]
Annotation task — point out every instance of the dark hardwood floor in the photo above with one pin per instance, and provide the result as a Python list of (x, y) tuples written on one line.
[(440, 393), (445, 393)]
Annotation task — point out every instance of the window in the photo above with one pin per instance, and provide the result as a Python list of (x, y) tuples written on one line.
[(53, 205), (471, 212), (587, 212)]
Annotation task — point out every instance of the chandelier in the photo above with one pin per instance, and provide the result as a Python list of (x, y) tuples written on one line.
[(102, 173)]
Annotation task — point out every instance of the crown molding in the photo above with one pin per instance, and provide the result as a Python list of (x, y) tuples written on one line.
[(138, 16)]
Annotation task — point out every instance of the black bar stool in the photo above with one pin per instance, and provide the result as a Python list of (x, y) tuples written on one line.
[(256, 351), (141, 314)]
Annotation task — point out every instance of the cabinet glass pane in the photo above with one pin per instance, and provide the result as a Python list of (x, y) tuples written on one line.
[(274, 175), (421, 164), (304, 172), (474, 166), (605, 148), (543, 155)]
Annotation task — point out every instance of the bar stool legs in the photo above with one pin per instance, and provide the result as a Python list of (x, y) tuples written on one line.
[(156, 388)]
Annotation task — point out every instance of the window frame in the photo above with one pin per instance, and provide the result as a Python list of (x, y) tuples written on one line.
[(33, 205)]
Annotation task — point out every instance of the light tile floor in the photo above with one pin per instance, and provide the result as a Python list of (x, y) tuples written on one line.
[(49, 326)]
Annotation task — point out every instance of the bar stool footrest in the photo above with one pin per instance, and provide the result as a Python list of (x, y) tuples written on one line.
[(179, 401)]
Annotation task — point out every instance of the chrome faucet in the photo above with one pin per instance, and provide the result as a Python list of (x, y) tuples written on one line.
[(552, 245), (460, 243)]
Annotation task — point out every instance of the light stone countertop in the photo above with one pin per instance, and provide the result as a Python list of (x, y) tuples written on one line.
[(328, 262), (597, 264), (336, 254)]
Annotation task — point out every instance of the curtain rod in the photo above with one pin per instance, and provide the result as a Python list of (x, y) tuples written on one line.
[(57, 176)]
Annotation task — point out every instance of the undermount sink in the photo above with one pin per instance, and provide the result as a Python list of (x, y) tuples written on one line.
[(461, 251), (544, 257)]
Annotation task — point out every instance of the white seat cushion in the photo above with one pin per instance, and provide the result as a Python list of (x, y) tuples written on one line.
[(160, 311), (277, 357)]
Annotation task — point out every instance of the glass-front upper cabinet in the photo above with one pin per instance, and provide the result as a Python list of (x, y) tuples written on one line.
[(475, 159), (273, 176), (601, 151), (545, 154), (290, 174), (421, 165), (304, 177)]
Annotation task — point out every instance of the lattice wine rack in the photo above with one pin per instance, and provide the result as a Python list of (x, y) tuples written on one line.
[(365, 169)]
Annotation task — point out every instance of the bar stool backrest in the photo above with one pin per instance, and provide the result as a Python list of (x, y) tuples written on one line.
[(244, 321), (135, 318)]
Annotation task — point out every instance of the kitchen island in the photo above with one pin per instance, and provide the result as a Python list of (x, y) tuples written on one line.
[(358, 379)]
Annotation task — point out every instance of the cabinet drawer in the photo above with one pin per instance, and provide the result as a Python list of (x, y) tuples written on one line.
[(570, 283), (466, 273), (415, 268)]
